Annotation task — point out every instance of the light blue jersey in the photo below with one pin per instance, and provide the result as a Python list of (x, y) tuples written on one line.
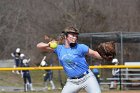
[(73, 59)]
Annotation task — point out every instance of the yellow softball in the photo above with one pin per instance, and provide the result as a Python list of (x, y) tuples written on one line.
[(53, 44)]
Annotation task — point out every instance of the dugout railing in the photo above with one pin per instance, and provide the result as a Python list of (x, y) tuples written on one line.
[(128, 78)]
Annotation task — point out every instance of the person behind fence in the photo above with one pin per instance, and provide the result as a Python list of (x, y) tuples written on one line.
[(16, 56), (22, 56), (26, 76), (96, 73), (48, 76), (71, 56), (115, 74)]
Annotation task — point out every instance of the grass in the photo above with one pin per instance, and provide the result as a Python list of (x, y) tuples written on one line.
[(7, 78)]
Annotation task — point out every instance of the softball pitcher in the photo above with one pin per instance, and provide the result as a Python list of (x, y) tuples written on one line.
[(71, 56)]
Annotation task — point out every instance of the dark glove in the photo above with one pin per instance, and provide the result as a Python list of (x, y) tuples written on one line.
[(107, 50)]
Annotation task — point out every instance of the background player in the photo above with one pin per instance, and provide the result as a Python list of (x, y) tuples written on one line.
[(115, 74), (16, 56), (48, 76), (26, 76), (96, 73)]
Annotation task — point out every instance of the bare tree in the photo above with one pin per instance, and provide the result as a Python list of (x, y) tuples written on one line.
[(23, 23)]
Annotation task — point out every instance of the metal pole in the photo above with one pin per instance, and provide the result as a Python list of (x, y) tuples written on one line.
[(120, 80), (91, 44)]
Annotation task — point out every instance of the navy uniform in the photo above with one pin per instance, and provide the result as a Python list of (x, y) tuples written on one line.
[(16, 56), (97, 74), (48, 76), (26, 76)]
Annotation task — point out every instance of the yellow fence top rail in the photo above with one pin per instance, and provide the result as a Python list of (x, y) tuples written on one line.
[(61, 68)]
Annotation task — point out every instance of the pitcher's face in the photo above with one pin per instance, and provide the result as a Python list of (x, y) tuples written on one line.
[(72, 38)]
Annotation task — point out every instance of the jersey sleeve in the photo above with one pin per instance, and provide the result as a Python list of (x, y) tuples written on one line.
[(85, 49)]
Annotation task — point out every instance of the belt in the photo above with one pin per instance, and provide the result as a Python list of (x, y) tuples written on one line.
[(78, 77)]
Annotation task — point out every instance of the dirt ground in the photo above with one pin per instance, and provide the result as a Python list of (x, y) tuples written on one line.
[(6, 89), (128, 91), (59, 91), (117, 91)]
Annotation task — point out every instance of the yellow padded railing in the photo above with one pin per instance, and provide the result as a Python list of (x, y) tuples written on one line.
[(61, 68)]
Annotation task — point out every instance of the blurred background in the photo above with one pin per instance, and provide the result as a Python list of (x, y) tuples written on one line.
[(23, 24)]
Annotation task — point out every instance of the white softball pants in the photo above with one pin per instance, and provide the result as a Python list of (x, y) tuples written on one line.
[(88, 82)]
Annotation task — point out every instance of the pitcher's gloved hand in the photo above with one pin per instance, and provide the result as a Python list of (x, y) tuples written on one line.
[(107, 50)]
